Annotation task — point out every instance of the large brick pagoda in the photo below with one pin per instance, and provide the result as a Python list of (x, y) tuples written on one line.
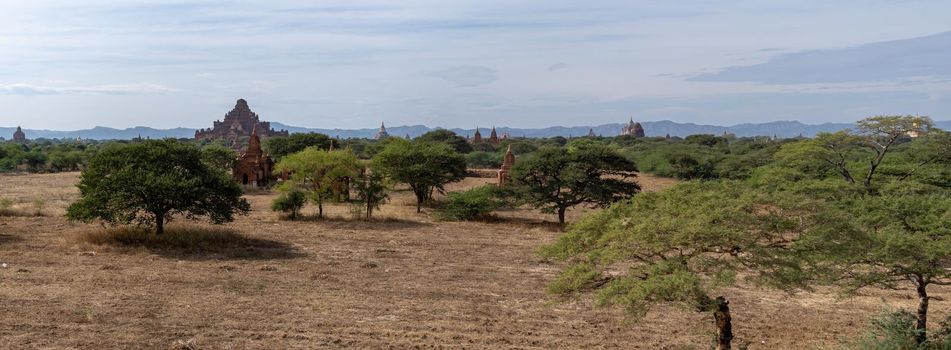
[(239, 122)]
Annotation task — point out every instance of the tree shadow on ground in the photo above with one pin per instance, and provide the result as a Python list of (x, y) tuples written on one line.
[(195, 243), (381, 223), (6, 239), (550, 226)]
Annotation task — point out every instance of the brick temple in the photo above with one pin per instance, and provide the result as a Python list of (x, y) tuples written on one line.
[(239, 122)]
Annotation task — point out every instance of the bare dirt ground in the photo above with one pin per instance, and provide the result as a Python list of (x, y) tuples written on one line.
[(403, 282)]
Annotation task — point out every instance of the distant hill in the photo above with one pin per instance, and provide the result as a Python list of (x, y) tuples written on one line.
[(655, 128)]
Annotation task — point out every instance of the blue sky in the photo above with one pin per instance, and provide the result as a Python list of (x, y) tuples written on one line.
[(352, 64)]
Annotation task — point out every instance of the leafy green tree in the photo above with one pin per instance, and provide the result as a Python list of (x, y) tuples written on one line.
[(371, 188), (900, 237), (674, 246), (35, 160), (688, 167), (424, 166), (65, 160), (219, 157), (856, 157), (705, 140), (458, 143), (322, 174), (484, 160), (555, 179), (278, 147), (150, 182)]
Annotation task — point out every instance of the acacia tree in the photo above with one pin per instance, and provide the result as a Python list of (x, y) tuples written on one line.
[(897, 233), (371, 188), (555, 179), (673, 246), (902, 236), (319, 173), (425, 166), (844, 152), (150, 182)]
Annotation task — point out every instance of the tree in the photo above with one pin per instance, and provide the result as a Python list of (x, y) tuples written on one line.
[(844, 152), (278, 147), (880, 133), (424, 166), (35, 160), (458, 143), (555, 179), (371, 188), (149, 183), (220, 157), (322, 174), (673, 246), (902, 236)]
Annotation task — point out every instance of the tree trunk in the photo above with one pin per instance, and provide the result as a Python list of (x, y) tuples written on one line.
[(320, 208), (561, 215), (159, 223), (419, 205), (921, 328), (724, 323)]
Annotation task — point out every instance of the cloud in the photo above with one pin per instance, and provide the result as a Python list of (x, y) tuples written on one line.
[(927, 56), (557, 66), (110, 89), (468, 76)]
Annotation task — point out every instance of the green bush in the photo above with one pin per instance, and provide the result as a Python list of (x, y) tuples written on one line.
[(290, 203), (896, 330), (473, 204)]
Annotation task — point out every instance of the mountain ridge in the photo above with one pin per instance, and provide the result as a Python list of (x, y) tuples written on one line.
[(782, 128)]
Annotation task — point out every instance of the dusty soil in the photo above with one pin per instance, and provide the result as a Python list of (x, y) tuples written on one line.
[(404, 281)]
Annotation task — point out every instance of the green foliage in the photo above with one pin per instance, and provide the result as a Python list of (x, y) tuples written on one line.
[(219, 157), (290, 202), (472, 204), (705, 140), (424, 166), (371, 188), (148, 183), (278, 147), (896, 330), (555, 179), (484, 160), (686, 167), (675, 245), (321, 174), (458, 143)]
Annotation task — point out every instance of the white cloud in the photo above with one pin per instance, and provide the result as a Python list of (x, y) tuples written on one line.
[(109, 89)]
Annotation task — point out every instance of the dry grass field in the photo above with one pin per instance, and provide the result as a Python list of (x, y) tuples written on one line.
[(402, 281)]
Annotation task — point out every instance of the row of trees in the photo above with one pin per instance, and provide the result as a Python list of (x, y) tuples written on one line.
[(868, 208)]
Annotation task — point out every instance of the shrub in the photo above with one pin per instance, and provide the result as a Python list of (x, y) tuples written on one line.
[(6, 206), (290, 203), (38, 206), (476, 203), (896, 330)]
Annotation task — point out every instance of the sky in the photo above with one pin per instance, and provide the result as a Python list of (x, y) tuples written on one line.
[(77, 64)]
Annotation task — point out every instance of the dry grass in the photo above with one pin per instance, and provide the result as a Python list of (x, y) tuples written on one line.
[(401, 281)]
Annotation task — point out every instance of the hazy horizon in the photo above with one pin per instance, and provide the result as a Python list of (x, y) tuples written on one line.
[(352, 64)]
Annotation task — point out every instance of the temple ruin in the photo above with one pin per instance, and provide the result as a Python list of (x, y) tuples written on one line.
[(239, 122)]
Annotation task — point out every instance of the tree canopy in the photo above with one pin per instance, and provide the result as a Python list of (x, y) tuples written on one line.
[(321, 174), (424, 166), (148, 183), (555, 179), (458, 143)]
